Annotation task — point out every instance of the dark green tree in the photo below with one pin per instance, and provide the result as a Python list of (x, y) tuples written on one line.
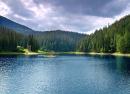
[(32, 42)]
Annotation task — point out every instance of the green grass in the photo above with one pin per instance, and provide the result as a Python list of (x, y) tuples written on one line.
[(27, 52)]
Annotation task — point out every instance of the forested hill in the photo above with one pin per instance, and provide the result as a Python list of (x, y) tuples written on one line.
[(15, 26), (12, 41), (114, 38), (58, 40), (110, 39)]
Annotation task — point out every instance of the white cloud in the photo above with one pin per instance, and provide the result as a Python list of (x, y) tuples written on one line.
[(21, 17), (124, 13), (100, 22), (40, 11), (4, 9), (47, 17)]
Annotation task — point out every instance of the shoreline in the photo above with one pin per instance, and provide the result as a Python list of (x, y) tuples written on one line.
[(110, 54), (17, 53), (63, 53)]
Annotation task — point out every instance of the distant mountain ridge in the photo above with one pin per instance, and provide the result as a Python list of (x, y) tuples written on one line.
[(24, 29), (15, 26), (109, 39), (55, 40)]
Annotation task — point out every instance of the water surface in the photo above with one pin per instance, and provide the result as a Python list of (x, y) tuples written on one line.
[(64, 75)]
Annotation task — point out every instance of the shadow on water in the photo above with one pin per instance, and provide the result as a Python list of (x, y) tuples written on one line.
[(120, 63), (6, 60), (9, 60), (123, 64)]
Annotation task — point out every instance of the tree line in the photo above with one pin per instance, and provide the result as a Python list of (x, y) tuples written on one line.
[(110, 39), (10, 40), (58, 41)]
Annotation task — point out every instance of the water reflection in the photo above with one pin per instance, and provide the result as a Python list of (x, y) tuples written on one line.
[(64, 75), (123, 64)]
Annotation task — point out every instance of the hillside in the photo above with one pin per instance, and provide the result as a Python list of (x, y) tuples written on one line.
[(12, 41), (58, 40), (9, 39), (114, 38), (110, 39), (15, 26)]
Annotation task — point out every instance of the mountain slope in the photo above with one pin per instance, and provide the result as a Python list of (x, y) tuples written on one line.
[(15, 26), (114, 38), (58, 40)]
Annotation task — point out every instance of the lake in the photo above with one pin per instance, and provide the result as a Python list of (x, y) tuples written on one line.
[(64, 74)]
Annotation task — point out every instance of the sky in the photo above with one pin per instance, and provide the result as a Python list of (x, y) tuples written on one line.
[(84, 16)]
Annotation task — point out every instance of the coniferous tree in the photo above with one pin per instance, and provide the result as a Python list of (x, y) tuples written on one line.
[(114, 38), (32, 42)]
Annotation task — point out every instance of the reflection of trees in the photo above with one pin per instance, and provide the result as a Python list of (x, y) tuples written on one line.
[(123, 63)]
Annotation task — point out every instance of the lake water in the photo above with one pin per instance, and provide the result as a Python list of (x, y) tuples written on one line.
[(67, 74)]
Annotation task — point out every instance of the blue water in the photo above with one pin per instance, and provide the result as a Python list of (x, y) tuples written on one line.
[(64, 75)]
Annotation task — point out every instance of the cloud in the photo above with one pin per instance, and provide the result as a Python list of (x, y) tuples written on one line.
[(73, 15), (16, 6), (4, 9), (105, 8)]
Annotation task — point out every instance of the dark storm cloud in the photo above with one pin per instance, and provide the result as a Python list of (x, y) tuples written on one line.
[(73, 15), (104, 8)]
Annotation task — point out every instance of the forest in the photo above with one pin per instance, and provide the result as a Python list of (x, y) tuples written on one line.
[(110, 39), (11, 40), (58, 41)]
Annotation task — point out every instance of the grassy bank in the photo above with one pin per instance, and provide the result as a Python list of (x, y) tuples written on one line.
[(22, 52), (62, 53), (18, 53), (83, 53), (112, 54)]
